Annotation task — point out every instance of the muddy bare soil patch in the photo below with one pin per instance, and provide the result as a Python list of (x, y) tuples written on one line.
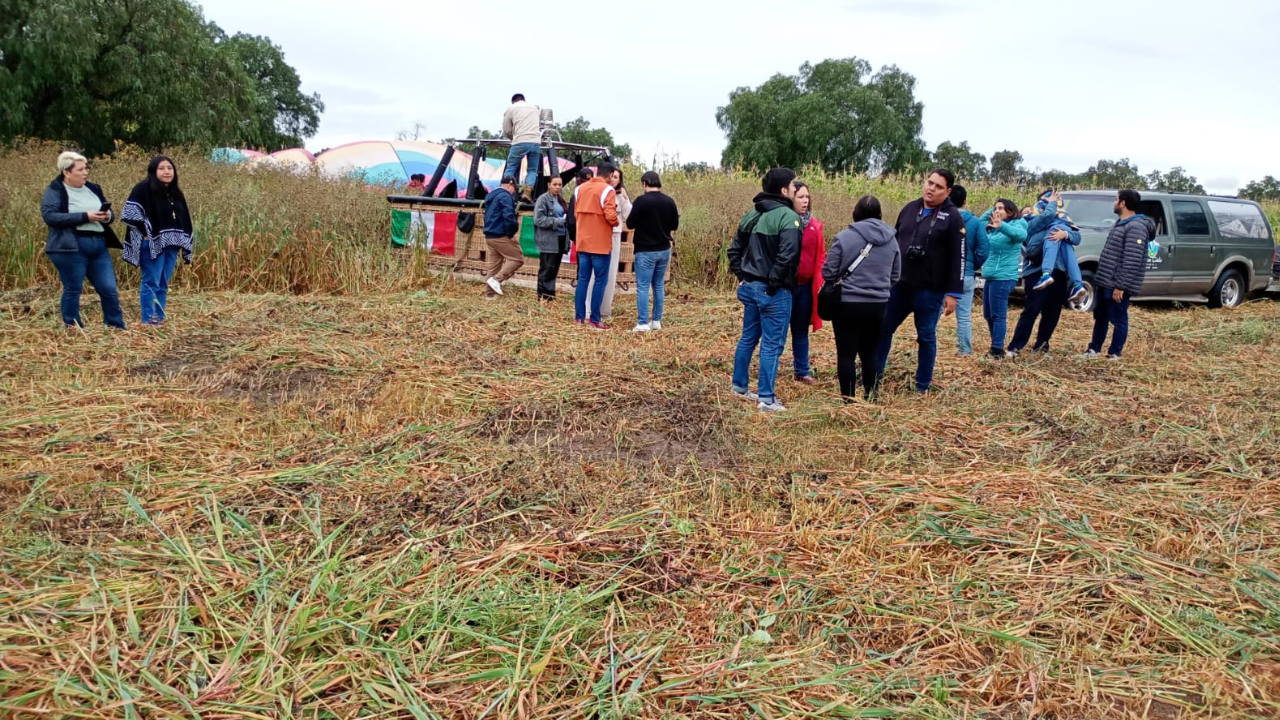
[(640, 427), (211, 366)]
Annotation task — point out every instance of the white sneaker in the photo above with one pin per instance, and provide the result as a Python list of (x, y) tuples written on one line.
[(641, 328), (1090, 355), (655, 325), (772, 407), (746, 395), (494, 285)]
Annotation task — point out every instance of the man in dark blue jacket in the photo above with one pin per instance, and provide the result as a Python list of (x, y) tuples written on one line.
[(1122, 268), (1045, 304), (501, 230)]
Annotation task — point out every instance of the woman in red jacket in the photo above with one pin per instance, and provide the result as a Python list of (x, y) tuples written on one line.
[(804, 298)]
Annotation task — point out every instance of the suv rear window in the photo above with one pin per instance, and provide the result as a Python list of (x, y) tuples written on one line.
[(1238, 220)]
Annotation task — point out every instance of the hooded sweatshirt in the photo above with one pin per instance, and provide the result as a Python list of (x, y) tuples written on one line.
[(767, 246), (880, 270)]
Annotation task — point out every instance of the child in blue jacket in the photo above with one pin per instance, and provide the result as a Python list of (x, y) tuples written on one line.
[(1053, 247)]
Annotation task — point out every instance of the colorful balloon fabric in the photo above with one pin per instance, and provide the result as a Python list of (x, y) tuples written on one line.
[(379, 162)]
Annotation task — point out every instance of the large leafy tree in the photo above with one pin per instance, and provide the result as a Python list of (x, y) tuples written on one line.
[(961, 160), (1118, 174), (282, 115), (1006, 166), (147, 72), (1268, 188), (1176, 180), (836, 113)]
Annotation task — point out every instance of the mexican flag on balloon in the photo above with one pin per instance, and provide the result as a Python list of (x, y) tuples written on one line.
[(435, 232)]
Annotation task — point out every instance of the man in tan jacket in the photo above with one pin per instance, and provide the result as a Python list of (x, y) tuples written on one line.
[(521, 125), (596, 212)]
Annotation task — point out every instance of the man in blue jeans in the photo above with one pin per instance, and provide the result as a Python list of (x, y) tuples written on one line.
[(976, 249), (764, 256), (1122, 268), (931, 234), (521, 124), (654, 217)]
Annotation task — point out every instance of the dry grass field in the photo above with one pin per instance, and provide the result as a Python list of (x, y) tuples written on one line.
[(411, 504)]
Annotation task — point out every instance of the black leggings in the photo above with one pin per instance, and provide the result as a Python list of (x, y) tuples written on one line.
[(857, 329)]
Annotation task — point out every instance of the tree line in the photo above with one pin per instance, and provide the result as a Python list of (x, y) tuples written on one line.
[(844, 117), (152, 73)]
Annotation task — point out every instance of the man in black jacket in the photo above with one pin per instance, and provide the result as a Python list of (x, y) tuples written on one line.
[(931, 235)]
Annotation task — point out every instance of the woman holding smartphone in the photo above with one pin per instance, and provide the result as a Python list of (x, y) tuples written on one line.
[(159, 228), (79, 219)]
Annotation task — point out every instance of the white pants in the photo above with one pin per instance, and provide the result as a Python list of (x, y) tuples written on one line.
[(606, 306)]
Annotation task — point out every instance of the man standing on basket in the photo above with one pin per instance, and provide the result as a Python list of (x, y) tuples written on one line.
[(764, 256), (931, 235)]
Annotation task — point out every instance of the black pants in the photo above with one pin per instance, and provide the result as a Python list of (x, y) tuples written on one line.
[(857, 329), (548, 270), (1044, 304)]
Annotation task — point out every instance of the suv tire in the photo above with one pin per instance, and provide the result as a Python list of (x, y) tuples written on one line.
[(1228, 291), (1091, 292)]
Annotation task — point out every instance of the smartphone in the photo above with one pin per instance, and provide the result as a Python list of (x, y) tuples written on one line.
[(106, 207)]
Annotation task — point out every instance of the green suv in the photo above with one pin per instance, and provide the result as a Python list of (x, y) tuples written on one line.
[(1214, 248)]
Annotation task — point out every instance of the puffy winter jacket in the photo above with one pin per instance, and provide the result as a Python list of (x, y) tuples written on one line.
[(1123, 263)]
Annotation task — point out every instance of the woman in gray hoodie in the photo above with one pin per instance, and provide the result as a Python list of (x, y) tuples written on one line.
[(864, 293)]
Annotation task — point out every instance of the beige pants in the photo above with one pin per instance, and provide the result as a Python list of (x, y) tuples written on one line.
[(505, 258), (606, 305)]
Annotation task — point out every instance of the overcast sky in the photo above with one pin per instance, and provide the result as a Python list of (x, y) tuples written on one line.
[(1162, 83)]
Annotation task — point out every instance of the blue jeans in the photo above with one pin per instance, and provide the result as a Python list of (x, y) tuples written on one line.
[(801, 314), (764, 321), (518, 152), (651, 271), (590, 264), (1106, 311), (92, 261), (964, 318), (926, 306), (1051, 250), (995, 310), (153, 293)]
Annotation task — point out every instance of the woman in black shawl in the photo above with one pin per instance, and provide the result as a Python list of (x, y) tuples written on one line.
[(159, 227)]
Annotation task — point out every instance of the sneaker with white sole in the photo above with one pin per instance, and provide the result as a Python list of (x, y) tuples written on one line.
[(772, 407), (746, 395), (1045, 281), (655, 325), (641, 328), (494, 285), (1077, 294), (1090, 355)]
